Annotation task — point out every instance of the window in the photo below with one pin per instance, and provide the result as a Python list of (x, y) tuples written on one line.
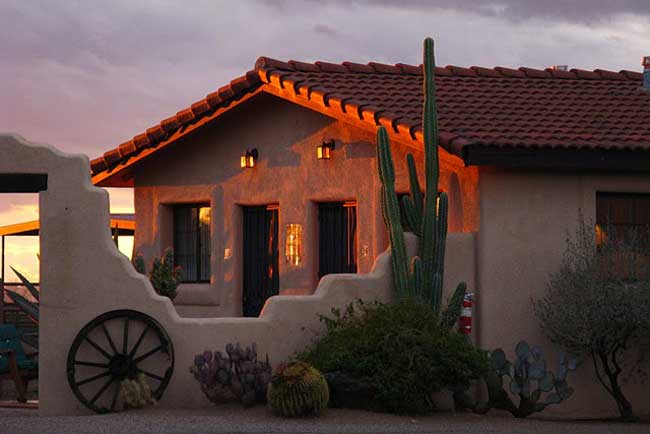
[(192, 241), (623, 219)]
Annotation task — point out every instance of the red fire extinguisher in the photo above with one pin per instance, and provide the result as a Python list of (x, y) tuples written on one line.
[(465, 320)]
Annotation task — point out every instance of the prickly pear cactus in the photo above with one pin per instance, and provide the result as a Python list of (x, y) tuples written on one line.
[(530, 380), (237, 375), (426, 215), (298, 390)]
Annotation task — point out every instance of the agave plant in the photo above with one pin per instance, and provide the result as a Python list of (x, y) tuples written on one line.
[(29, 307)]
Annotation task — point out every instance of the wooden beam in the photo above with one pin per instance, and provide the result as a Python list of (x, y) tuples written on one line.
[(23, 182)]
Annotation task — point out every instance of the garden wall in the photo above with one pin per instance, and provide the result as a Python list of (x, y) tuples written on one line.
[(84, 275)]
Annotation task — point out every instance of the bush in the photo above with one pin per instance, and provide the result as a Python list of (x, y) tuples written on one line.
[(298, 390), (164, 277), (598, 305), (401, 351)]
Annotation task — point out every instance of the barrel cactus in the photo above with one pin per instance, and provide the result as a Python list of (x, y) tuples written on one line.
[(425, 213), (136, 393), (298, 390), (237, 375), (536, 387)]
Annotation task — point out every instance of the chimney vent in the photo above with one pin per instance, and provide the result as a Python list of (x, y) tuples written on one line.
[(560, 67), (646, 73)]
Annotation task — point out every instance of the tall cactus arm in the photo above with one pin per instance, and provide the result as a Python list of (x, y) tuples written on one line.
[(429, 218), (411, 216), (441, 235), (416, 191), (399, 258), (415, 276)]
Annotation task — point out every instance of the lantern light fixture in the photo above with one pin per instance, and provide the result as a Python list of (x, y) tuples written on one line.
[(324, 150), (293, 245), (249, 158)]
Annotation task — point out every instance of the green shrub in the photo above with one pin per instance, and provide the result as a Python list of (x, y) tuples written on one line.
[(400, 350), (298, 390), (164, 277)]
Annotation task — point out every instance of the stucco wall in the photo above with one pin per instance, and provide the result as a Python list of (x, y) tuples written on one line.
[(525, 217), (83, 275), (204, 167)]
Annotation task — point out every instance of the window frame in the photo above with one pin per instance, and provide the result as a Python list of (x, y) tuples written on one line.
[(197, 206), (604, 228)]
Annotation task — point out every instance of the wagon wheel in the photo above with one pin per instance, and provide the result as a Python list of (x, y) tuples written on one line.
[(115, 346)]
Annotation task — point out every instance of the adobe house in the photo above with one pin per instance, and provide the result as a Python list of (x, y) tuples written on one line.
[(522, 151)]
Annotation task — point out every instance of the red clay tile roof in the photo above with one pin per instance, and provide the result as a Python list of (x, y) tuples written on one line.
[(500, 107)]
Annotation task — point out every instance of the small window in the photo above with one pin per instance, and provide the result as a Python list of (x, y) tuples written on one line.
[(192, 241), (623, 219)]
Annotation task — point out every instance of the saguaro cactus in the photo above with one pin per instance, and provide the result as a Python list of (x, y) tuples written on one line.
[(422, 275)]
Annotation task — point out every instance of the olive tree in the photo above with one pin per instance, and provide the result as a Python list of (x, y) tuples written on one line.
[(597, 306)]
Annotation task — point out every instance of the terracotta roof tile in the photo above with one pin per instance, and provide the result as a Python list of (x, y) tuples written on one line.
[(496, 107), (223, 97)]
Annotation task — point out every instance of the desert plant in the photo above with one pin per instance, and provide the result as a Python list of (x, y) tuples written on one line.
[(27, 306), (422, 275), (238, 375), (393, 356), (530, 381), (298, 390), (164, 276), (136, 393), (595, 309), (138, 263), (31, 309)]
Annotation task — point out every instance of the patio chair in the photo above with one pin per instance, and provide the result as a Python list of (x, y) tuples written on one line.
[(15, 364)]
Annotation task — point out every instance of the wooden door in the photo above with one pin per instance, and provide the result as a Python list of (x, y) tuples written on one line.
[(261, 255), (337, 245)]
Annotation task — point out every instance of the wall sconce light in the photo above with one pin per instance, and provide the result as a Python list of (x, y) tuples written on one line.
[(324, 150), (248, 159), (293, 245)]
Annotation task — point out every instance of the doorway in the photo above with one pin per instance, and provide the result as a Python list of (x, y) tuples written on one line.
[(261, 257), (337, 230)]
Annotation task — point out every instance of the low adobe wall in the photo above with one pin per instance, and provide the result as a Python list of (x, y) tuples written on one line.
[(83, 275)]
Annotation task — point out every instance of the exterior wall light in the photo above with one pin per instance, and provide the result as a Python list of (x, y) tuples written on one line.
[(248, 159), (293, 245), (324, 150)]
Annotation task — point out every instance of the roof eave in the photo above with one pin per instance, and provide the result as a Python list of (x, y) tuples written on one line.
[(121, 176), (630, 160)]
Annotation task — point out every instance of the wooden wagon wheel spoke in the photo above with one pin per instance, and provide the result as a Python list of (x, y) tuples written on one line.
[(93, 364), (114, 400), (150, 374), (148, 354), (138, 342), (122, 364), (93, 378), (108, 338), (102, 390), (98, 348), (125, 339)]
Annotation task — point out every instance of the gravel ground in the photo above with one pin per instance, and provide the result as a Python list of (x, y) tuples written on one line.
[(234, 419)]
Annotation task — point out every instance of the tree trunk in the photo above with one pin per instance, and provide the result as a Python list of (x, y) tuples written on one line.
[(612, 385)]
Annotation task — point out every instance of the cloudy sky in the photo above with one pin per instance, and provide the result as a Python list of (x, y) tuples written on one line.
[(87, 75)]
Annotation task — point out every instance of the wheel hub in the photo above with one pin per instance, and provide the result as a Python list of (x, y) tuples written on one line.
[(122, 366)]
